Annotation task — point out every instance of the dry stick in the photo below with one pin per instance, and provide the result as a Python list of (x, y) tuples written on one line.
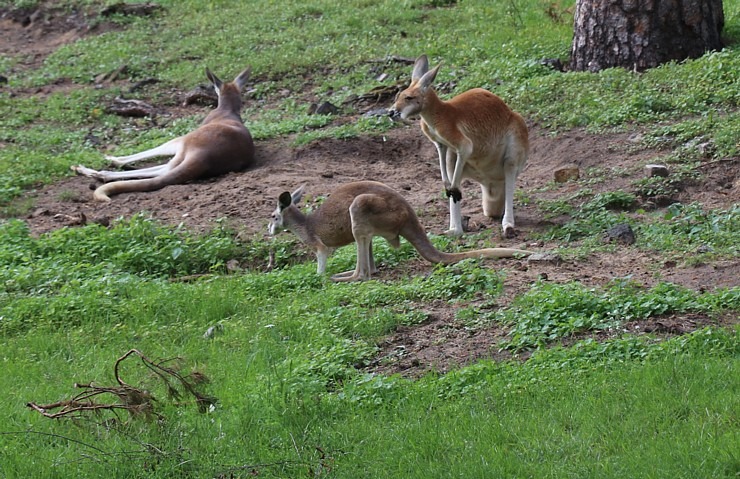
[(75, 408), (131, 399)]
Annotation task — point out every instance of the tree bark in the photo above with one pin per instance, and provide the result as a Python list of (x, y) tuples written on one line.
[(641, 34)]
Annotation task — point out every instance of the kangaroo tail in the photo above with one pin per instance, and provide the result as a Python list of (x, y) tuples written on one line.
[(178, 175), (427, 251)]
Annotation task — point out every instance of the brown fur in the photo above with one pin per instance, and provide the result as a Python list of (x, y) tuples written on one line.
[(220, 145), (477, 136), (357, 212)]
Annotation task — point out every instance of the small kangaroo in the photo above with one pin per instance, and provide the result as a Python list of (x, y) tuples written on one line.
[(357, 212), (221, 144), (477, 136)]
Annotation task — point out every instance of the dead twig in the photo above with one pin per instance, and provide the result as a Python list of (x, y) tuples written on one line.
[(134, 400)]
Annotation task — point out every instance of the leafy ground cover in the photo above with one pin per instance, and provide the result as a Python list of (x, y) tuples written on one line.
[(613, 361)]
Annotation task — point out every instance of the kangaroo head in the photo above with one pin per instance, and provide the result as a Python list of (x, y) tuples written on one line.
[(230, 93), (411, 101), (286, 204)]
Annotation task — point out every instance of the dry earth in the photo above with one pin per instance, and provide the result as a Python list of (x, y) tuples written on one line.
[(405, 160)]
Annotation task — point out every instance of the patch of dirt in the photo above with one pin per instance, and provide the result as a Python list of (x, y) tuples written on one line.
[(32, 34), (406, 161)]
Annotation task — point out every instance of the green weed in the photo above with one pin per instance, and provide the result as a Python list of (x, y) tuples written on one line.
[(549, 312)]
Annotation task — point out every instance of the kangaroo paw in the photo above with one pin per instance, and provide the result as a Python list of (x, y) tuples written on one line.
[(338, 278), (454, 193), (509, 232), (343, 275), (84, 171)]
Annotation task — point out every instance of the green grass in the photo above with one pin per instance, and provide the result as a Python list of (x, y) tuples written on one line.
[(287, 366), (290, 361)]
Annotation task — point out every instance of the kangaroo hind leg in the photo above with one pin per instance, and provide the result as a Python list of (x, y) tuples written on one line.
[(362, 213), (493, 198), (168, 149)]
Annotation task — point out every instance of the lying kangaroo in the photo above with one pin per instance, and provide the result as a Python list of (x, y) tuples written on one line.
[(220, 144), (358, 212), (477, 136)]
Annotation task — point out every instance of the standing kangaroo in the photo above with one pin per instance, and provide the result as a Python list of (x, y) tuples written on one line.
[(477, 136), (221, 144), (357, 212)]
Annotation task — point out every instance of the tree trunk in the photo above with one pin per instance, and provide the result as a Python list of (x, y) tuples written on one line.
[(641, 34)]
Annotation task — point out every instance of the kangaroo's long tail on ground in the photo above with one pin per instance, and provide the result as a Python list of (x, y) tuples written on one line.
[(179, 175), (427, 251)]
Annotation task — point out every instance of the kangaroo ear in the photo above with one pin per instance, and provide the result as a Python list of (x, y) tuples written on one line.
[(420, 68), (243, 78), (284, 200), (214, 79), (298, 194), (428, 78)]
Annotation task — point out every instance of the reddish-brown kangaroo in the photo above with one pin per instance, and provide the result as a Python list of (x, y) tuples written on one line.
[(477, 136), (356, 212), (221, 144)]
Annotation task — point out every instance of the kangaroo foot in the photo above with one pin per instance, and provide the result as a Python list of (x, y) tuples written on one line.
[(347, 279), (345, 274), (509, 232), (84, 171)]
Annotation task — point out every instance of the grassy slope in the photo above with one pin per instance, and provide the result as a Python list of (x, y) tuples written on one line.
[(292, 403)]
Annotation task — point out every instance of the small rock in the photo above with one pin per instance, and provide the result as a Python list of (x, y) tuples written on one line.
[(327, 174), (546, 258), (377, 112), (130, 108), (327, 108), (656, 170), (621, 234), (201, 95), (210, 332), (566, 173)]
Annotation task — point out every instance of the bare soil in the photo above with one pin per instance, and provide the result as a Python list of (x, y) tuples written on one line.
[(406, 161)]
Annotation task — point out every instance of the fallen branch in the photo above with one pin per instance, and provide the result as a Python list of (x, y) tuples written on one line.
[(134, 400)]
